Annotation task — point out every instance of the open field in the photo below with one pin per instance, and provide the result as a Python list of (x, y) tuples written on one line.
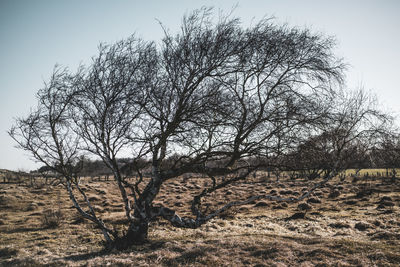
[(372, 172), (345, 224)]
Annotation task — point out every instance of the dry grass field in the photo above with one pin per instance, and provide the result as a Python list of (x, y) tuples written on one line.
[(350, 223)]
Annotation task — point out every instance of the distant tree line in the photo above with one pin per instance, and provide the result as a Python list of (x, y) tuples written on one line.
[(311, 159)]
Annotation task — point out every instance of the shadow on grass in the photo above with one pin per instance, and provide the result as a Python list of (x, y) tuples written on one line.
[(25, 229), (8, 252), (147, 247), (191, 256), (86, 256)]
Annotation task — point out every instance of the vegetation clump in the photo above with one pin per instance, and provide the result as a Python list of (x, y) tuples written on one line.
[(52, 218)]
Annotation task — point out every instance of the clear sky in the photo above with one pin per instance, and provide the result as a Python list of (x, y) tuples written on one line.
[(35, 35)]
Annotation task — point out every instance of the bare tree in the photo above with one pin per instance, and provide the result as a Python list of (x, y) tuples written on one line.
[(208, 100), (347, 137), (386, 153), (48, 134)]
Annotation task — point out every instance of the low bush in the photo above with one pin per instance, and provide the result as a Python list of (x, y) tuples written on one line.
[(52, 218)]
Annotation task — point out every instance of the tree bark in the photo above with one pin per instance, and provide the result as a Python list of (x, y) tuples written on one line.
[(137, 234)]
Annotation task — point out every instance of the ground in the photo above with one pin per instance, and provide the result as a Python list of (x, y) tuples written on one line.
[(349, 223)]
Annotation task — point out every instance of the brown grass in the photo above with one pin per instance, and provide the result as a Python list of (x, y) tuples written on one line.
[(347, 230)]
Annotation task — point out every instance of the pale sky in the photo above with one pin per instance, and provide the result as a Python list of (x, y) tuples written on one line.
[(35, 35)]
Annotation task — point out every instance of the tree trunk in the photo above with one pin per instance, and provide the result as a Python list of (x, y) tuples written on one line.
[(137, 234), (138, 231)]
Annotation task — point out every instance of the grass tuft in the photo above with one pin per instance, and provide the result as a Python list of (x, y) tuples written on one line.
[(52, 218)]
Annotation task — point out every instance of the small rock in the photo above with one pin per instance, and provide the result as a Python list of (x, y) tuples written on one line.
[(385, 204), (313, 200), (304, 206), (377, 223), (94, 198), (285, 192), (350, 202), (297, 215), (101, 192), (385, 198), (334, 193), (319, 193), (339, 225), (243, 209), (261, 204), (32, 206), (361, 226), (340, 187), (179, 204), (390, 211)]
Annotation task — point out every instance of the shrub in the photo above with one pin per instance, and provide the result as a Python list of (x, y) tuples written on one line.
[(8, 252), (52, 218), (32, 206)]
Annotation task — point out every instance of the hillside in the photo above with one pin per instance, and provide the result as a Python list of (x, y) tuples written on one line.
[(347, 224)]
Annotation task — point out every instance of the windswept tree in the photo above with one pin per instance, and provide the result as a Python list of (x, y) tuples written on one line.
[(207, 100)]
